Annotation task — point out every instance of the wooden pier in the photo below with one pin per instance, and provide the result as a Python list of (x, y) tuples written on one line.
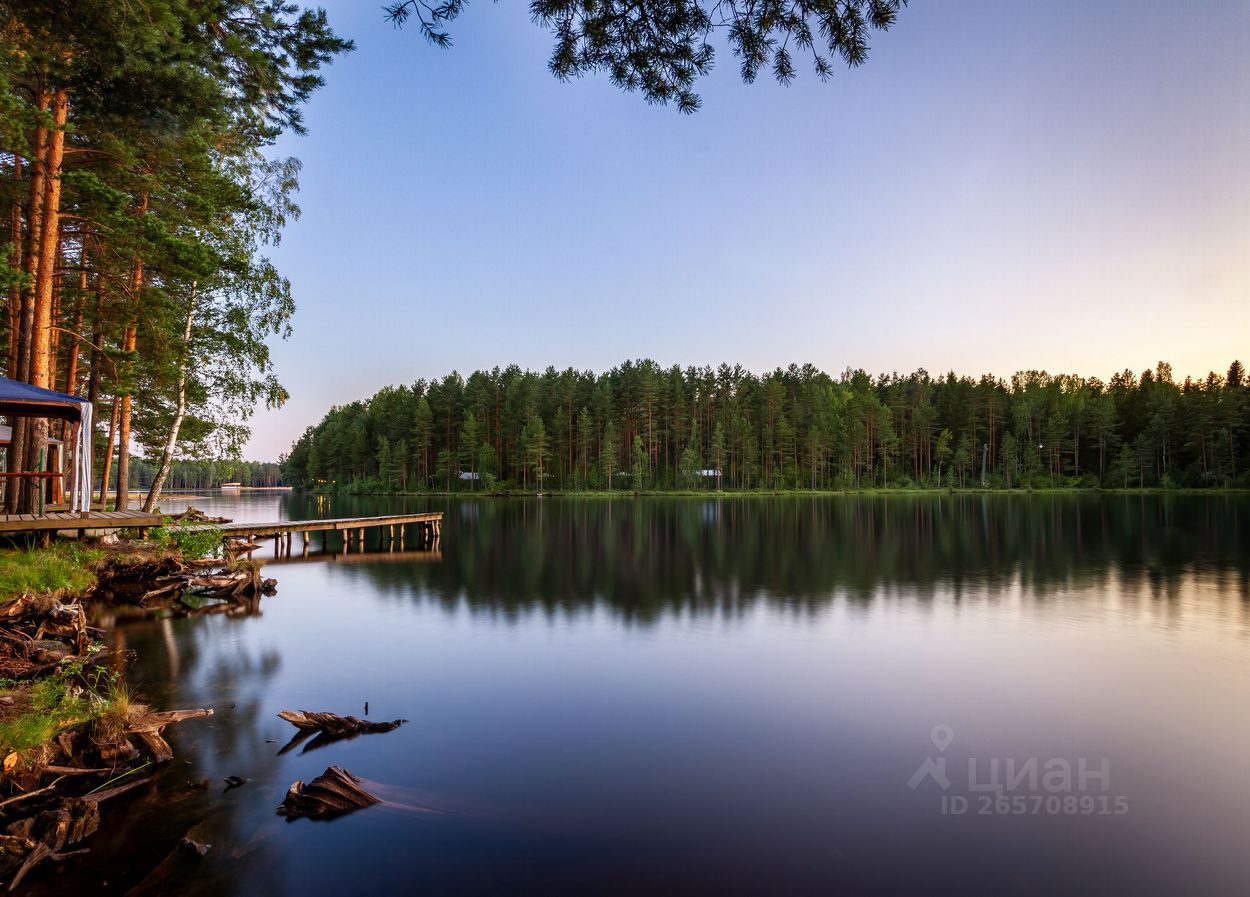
[(429, 526), (74, 520)]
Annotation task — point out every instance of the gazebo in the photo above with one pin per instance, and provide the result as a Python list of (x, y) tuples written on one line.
[(19, 399)]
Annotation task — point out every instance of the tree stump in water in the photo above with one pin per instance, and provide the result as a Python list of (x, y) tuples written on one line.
[(333, 724), (333, 793)]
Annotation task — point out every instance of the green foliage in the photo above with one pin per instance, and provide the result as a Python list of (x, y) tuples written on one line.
[(189, 543), (638, 471), (207, 474), (75, 693), (662, 48), (787, 429), (535, 443), (169, 194)]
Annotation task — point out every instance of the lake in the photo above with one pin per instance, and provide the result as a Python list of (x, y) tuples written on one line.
[(866, 695)]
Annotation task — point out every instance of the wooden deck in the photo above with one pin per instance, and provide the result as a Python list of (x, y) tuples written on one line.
[(281, 527), (73, 520), (429, 525)]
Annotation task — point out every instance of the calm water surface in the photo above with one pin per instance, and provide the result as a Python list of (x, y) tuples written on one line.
[(722, 697)]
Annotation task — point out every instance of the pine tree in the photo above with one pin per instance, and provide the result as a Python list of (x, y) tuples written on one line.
[(608, 457), (535, 444), (662, 48), (469, 448), (640, 464), (585, 436), (717, 448)]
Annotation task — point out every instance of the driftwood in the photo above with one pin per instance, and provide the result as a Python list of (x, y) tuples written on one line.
[(46, 835), (141, 728), (147, 728), (333, 793), (235, 547), (197, 847), (37, 632), (329, 728), (195, 515), (164, 581), (65, 824), (28, 842), (333, 724)]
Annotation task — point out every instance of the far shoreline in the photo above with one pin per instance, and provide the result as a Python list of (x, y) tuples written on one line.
[(783, 493)]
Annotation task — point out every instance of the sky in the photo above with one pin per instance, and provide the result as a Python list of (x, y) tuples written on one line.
[(1005, 185)]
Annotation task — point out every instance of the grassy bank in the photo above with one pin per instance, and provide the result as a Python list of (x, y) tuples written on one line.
[(59, 685), (62, 568), (72, 695)]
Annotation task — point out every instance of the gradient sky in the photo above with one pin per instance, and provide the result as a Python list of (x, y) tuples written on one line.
[(1005, 185)]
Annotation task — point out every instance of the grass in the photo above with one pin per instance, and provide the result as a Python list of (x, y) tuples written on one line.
[(60, 568), (72, 695)]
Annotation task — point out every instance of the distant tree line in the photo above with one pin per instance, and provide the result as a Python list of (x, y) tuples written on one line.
[(201, 474), (641, 426), (210, 474)]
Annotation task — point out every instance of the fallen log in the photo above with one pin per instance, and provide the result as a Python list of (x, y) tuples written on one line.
[(166, 591), (333, 724), (99, 797), (333, 793)]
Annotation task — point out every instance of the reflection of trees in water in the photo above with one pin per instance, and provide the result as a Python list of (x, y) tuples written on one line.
[(191, 662), (647, 557)]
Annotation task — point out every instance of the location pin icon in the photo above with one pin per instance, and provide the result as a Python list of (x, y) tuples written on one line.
[(942, 736)]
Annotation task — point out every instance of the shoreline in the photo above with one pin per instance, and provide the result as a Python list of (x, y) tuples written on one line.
[(73, 734), (784, 493)]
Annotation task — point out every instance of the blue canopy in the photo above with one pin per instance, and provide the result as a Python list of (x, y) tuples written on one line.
[(19, 399), (24, 400)]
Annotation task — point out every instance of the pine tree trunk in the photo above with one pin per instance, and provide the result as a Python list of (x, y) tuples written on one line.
[(17, 453), (34, 228), (45, 281), (97, 343), (15, 262), (180, 410), (106, 465), (75, 343), (128, 347)]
